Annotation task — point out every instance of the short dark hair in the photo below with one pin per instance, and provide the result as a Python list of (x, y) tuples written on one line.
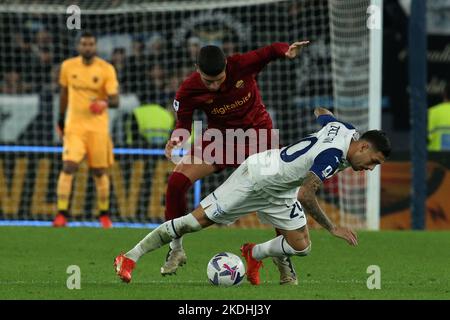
[(379, 141), (211, 60), (87, 34)]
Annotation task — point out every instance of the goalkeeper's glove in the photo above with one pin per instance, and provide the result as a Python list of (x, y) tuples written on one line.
[(98, 106)]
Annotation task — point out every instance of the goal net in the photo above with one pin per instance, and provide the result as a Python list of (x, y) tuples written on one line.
[(153, 45)]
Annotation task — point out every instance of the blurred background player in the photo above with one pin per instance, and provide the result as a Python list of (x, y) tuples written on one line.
[(281, 198), (88, 88), (218, 83), (439, 123)]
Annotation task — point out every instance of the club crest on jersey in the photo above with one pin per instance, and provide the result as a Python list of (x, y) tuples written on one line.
[(176, 104), (95, 79), (239, 84)]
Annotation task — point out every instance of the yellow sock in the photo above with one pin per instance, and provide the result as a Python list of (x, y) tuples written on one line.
[(63, 190), (102, 186)]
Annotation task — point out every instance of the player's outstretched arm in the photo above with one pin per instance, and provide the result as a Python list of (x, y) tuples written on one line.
[(307, 197), (319, 111), (295, 48)]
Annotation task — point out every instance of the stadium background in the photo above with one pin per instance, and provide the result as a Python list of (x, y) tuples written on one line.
[(153, 51)]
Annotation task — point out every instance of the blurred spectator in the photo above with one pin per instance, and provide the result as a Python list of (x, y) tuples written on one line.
[(155, 88), (157, 74), (42, 39), (229, 47), (171, 88), (138, 49), (193, 46), (439, 123), (118, 60), (156, 46), (149, 125), (41, 70), (134, 71), (186, 71), (13, 84), (22, 55)]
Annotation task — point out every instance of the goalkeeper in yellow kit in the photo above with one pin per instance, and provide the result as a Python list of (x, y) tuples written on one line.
[(88, 88)]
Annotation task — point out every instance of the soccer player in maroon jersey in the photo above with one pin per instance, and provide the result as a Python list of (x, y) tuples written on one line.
[(227, 91)]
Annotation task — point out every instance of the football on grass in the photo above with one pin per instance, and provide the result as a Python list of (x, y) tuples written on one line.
[(225, 269)]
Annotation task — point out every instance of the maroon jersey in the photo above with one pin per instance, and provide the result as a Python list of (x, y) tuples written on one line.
[(238, 103)]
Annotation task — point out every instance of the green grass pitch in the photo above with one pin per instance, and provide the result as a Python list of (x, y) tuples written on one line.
[(414, 265)]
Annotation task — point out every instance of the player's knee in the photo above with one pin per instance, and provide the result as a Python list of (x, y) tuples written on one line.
[(70, 167), (98, 172), (178, 182), (180, 226), (180, 167), (303, 250), (300, 248)]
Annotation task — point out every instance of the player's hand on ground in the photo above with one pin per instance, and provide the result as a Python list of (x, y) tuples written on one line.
[(172, 143), (98, 106), (347, 234), (295, 48)]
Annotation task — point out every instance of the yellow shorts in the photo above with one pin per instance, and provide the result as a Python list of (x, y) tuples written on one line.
[(96, 147)]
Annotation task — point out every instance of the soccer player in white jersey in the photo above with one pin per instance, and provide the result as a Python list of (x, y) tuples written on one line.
[(281, 185)]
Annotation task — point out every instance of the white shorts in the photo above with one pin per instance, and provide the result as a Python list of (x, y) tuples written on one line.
[(236, 197)]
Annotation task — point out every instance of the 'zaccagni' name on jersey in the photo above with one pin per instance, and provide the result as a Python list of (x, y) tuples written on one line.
[(332, 133)]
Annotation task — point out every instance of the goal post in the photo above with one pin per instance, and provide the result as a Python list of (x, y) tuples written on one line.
[(375, 93), (356, 46)]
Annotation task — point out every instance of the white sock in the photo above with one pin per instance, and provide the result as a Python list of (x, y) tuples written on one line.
[(176, 244), (135, 253), (277, 247), (162, 235)]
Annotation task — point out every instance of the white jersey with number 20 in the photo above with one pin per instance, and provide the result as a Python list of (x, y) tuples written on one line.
[(278, 173)]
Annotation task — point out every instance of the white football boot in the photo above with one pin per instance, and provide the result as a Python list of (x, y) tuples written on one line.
[(287, 271), (174, 259)]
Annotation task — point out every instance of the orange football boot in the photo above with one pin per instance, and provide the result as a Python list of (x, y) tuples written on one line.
[(123, 267), (60, 221), (105, 221), (253, 265)]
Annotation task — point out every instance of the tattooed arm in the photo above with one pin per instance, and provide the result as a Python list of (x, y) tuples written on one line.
[(307, 197)]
